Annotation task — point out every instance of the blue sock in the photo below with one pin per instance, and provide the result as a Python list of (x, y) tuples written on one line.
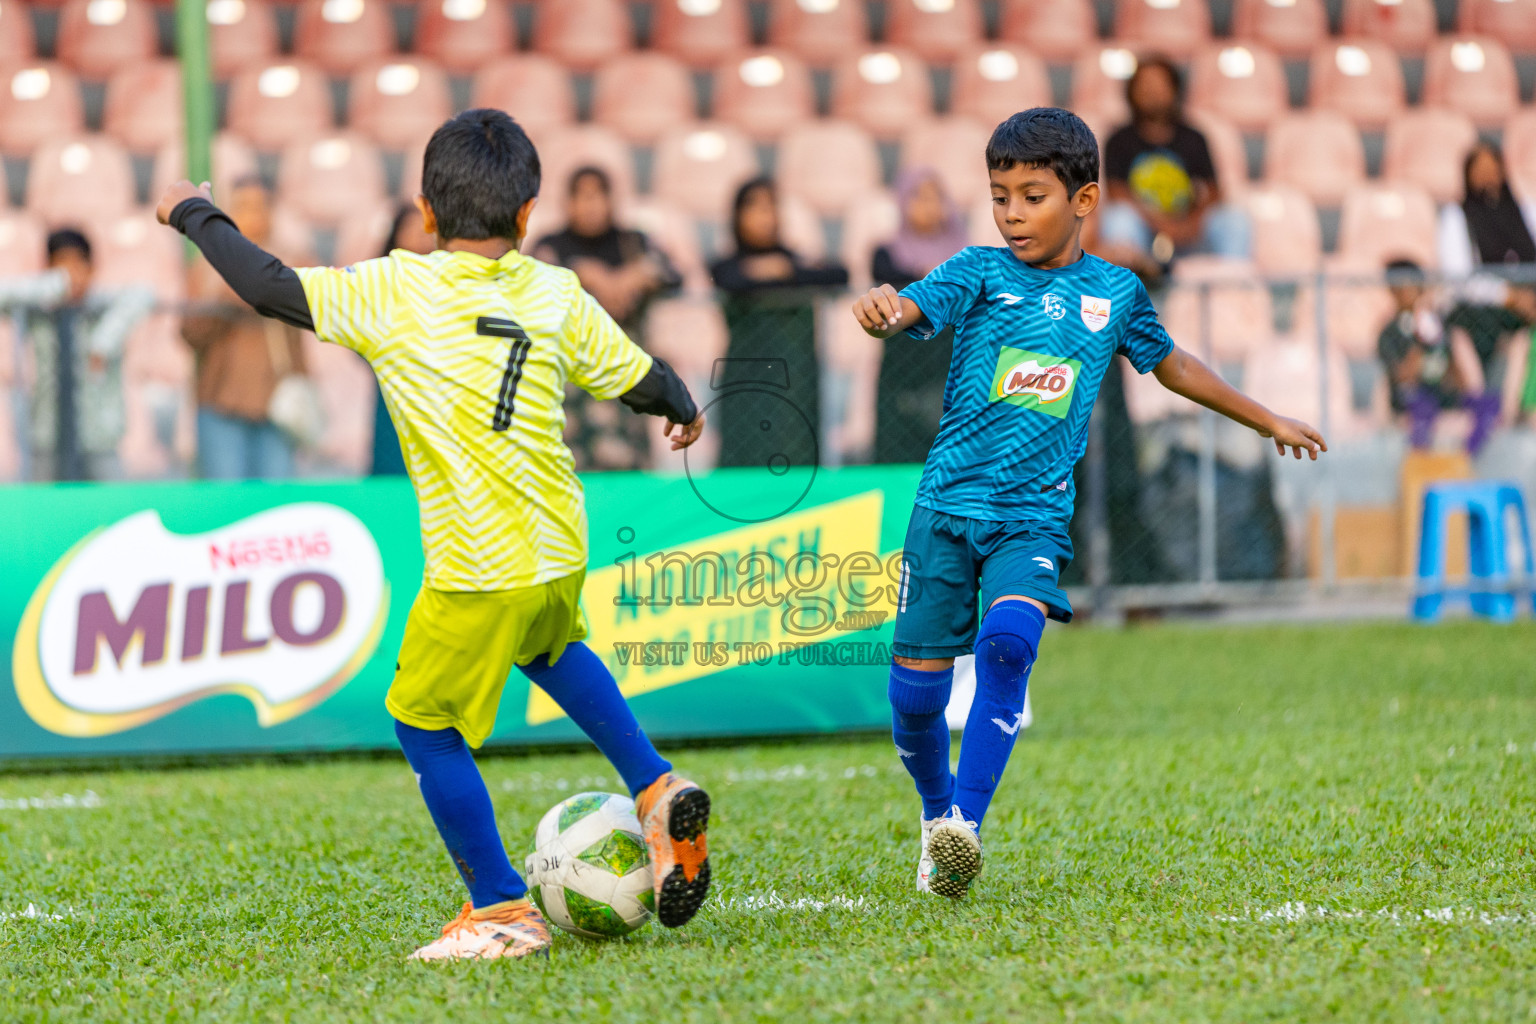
[(918, 700), (461, 808), (586, 691), (1005, 651)]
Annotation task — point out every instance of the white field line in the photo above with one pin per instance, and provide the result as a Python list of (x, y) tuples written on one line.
[(34, 914), (50, 802), (1299, 912), (771, 901)]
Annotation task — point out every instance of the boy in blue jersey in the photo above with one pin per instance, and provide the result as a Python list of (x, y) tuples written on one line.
[(1037, 325)]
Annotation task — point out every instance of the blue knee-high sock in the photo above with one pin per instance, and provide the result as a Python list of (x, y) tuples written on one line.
[(586, 691), (921, 734), (461, 808), (1005, 651)]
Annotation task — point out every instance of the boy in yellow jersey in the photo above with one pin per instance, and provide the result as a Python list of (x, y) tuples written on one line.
[(473, 345)]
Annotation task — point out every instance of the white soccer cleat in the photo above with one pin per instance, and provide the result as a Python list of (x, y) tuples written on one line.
[(515, 931), (955, 846), (925, 861)]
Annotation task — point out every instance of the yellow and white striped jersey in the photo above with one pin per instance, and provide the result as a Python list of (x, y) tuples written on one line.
[(472, 355)]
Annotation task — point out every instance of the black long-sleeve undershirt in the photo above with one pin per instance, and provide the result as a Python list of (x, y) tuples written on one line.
[(271, 288)]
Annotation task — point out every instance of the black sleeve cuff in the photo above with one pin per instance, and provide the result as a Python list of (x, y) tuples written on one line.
[(662, 393)]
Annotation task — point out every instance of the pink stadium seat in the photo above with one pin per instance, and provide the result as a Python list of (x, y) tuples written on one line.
[(1426, 146), (764, 93), (1360, 78), (868, 224), (1242, 83), (22, 238), (464, 35), (1058, 30), (582, 34), (995, 80), (1511, 21), (144, 105), (819, 31), (938, 31), (673, 232), (1241, 318), (1318, 152), (97, 37), (1292, 28), (134, 249), (882, 90), (293, 238), (698, 168), (271, 105), (79, 179), (1288, 374), (399, 101), (38, 101), (16, 39), (329, 178), (1474, 75), (1520, 152), (1175, 27), (690, 334), (240, 33), (1357, 305), (1227, 152), (534, 89), (828, 164), (1287, 239), (641, 95), (233, 159), (1405, 25), (1148, 401), (343, 35), (566, 149), (1383, 221), (1098, 86), (701, 33), (800, 225), (955, 148), (363, 234), (346, 387)]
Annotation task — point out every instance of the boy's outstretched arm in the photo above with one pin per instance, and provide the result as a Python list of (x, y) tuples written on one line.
[(1185, 375), (882, 312)]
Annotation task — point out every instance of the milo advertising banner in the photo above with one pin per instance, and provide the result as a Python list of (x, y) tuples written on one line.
[(200, 617)]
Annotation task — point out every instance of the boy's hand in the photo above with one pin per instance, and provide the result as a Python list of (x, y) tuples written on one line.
[(687, 433), (878, 310), (179, 193), (1296, 435)]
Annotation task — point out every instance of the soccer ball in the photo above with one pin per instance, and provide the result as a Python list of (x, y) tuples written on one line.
[(589, 870)]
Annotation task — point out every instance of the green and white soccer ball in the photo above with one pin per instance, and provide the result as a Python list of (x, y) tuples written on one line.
[(589, 870)]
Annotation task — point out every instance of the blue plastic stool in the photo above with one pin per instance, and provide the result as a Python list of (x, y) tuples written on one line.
[(1486, 503)]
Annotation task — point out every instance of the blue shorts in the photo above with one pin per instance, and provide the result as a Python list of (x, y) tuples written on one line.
[(948, 560)]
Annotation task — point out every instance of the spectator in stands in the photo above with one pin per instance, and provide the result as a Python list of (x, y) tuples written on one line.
[(406, 232), (913, 374), (240, 358), (772, 323), (1430, 363), (623, 272), (76, 335), (1161, 182)]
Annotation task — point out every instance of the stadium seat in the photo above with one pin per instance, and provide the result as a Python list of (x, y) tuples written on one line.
[(464, 35), (16, 38), (1098, 85), (1318, 152), (1147, 400), (673, 232), (233, 159), (1287, 239), (293, 238), (347, 390), (582, 34), (1357, 305), (821, 32), (534, 89), (1291, 28), (144, 105), (134, 248), (698, 168), (1287, 374), (641, 95), (341, 36), (1242, 83), (37, 102), (240, 33), (801, 228), (1057, 30), (700, 33), (1512, 22), (1408, 26), (329, 178), (1360, 78), (22, 239), (938, 31), (1474, 75), (690, 334), (1427, 147), (1241, 319), (566, 149), (1227, 152), (1178, 28), (364, 233), (98, 37), (980, 219), (399, 101), (882, 90), (764, 93), (1520, 152), (828, 164), (955, 148), (271, 105), (868, 224), (994, 80), (79, 180), (1384, 221)]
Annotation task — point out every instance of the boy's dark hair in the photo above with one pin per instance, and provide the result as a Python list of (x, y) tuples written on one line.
[(479, 170), (68, 238), (1047, 137), (1157, 62), (594, 172)]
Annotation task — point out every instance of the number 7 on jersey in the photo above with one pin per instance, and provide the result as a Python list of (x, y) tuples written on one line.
[(506, 395)]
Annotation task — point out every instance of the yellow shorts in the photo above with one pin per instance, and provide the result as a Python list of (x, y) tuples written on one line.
[(460, 647)]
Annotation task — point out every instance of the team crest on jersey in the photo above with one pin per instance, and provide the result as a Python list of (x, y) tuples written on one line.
[(1035, 380), (1095, 312), (1053, 306)]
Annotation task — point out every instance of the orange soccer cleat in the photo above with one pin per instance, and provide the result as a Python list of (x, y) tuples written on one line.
[(673, 814)]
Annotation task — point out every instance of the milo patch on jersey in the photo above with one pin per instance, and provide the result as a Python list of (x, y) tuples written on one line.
[(1035, 381)]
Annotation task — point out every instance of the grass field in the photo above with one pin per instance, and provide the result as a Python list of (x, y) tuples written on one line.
[(1203, 824)]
